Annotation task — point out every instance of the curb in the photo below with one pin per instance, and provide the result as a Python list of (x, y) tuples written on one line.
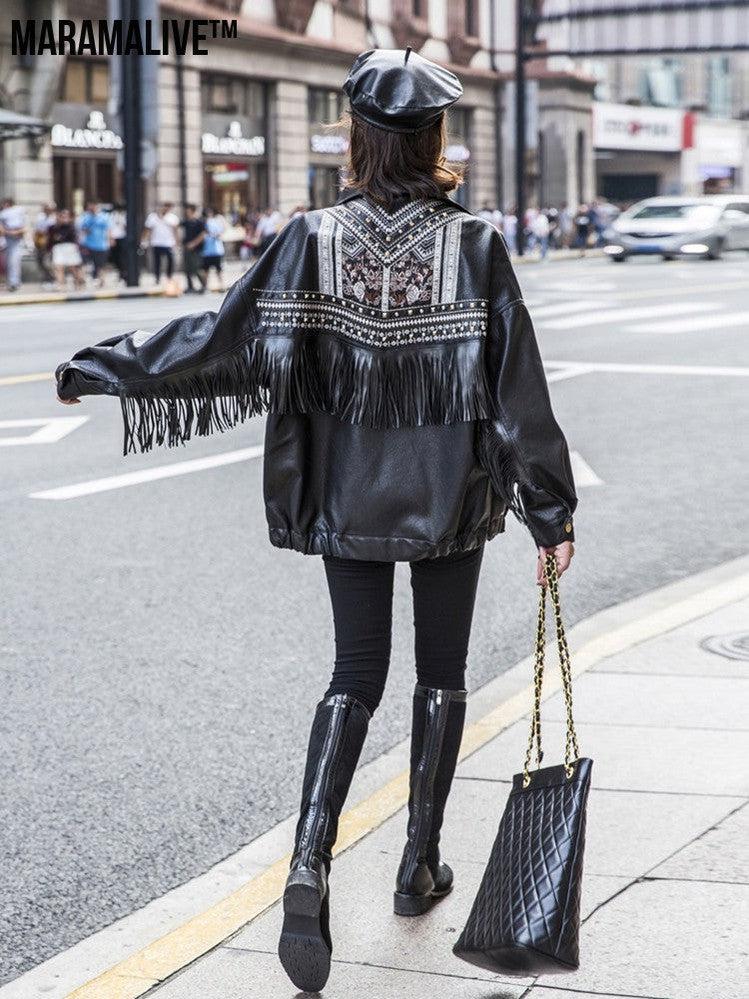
[(50, 297), (154, 955)]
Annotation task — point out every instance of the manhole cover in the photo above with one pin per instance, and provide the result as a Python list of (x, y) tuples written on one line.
[(733, 646)]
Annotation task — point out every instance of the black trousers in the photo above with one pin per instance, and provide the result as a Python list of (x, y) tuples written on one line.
[(163, 254), (444, 594)]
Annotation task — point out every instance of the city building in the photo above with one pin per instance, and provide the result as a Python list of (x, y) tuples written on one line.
[(253, 122)]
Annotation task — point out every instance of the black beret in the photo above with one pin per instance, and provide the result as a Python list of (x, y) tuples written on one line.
[(398, 90)]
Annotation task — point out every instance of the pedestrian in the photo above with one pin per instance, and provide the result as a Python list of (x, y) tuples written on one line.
[(582, 228), (44, 221), (118, 232), (408, 411), (510, 229), (12, 229), (566, 226), (540, 229), (267, 228), (66, 255), (212, 247), (193, 234), (95, 229), (160, 229)]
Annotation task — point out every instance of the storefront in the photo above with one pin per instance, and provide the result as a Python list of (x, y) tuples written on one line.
[(637, 151), (84, 146), (458, 150), (327, 144), (234, 145), (720, 154)]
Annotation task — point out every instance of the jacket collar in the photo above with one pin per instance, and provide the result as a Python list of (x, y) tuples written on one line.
[(346, 196)]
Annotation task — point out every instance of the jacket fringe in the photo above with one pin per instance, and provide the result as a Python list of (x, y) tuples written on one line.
[(497, 456), (394, 387)]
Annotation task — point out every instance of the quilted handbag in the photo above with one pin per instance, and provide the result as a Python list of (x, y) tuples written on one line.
[(525, 919)]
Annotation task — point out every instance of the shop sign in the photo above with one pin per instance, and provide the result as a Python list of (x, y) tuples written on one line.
[(621, 126), (95, 135), (331, 143), (457, 153), (233, 143)]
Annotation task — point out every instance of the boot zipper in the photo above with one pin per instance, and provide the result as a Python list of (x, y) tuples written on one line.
[(425, 783), (316, 812)]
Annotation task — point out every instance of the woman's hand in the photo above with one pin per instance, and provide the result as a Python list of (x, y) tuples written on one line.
[(562, 555), (68, 402)]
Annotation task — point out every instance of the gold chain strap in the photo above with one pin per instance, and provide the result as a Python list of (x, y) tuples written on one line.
[(571, 751)]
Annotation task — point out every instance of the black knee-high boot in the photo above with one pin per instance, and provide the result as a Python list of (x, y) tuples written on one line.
[(338, 732), (438, 718)]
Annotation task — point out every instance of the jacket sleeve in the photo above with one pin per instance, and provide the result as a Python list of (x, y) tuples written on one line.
[(199, 373), (522, 447)]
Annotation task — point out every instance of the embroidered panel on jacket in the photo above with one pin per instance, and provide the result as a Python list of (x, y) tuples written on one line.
[(385, 279)]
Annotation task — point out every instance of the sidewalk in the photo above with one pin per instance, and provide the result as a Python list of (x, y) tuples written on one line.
[(666, 896), (35, 293), (666, 888)]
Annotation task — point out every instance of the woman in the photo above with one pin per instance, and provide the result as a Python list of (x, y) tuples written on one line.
[(212, 247), (66, 256), (387, 340)]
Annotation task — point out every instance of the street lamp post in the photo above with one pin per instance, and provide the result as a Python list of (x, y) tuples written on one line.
[(132, 136), (520, 125)]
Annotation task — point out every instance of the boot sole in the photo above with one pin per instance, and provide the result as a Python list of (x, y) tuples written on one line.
[(417, 905), (302, 949)]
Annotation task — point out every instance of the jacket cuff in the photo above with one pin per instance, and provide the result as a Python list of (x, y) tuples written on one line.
[(550, 533)]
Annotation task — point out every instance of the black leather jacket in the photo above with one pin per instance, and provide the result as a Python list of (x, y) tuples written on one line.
[(407, 404)]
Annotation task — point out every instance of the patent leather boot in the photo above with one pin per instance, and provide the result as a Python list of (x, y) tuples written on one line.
[(338, 732), (438, 718)]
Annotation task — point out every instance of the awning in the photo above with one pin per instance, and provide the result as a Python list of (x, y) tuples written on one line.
[(20, 126)]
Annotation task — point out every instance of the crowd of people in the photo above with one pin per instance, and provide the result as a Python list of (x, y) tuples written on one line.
[(69, 249), (554, 228), (76, 250)]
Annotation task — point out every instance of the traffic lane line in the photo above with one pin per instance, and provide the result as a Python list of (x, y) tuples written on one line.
[(570, 369), (37, 376), (706, 324), (138, 973), (127, 479)]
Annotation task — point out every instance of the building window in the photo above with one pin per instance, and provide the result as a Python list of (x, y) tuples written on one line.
[(325, 106), (418, 8), (472, 18), (85, 82), (719, 87), (662, 84), (233, 95)]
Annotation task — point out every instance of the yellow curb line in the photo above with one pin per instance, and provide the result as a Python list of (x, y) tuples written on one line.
[(39, 376), (53, 297), (161, 959)]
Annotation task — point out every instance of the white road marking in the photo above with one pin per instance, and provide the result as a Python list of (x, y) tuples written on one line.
[(148, 475), (584, 367), (618, 316), (582, 472), (51, 429), (712, 324), (564, 308), (568, 371)]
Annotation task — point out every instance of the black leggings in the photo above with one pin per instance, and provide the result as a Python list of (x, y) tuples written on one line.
[(444, 593), (165, 254)]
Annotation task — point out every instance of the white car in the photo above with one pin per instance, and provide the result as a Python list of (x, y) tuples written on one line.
[(672, 227)]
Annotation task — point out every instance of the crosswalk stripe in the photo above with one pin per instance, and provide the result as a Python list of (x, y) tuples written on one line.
[(563, 308), (617, 316), (714, 324), (148, 474)]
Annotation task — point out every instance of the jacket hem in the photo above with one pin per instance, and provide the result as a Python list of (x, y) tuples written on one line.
[(374, 549)]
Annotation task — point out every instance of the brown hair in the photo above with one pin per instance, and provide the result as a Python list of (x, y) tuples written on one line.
[(387, 164)]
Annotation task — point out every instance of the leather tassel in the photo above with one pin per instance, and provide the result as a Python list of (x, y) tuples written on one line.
[(386, 388)]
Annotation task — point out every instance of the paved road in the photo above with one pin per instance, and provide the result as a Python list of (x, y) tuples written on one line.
[(160, 660)]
